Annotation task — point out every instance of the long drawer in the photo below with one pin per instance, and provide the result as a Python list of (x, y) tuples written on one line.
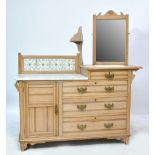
[(94, 126), (95, 88), (77, 107), (94, 99), (94, 106)]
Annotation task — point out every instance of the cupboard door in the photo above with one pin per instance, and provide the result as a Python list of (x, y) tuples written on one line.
[(41, 109)]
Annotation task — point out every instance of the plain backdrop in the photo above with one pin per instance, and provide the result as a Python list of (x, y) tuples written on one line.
[(46, 26)]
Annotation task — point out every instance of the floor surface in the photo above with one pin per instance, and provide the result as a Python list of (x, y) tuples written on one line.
[(138, 144)]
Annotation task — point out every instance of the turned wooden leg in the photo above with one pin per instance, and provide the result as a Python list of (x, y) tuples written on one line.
[(125, 140), (23, 146)]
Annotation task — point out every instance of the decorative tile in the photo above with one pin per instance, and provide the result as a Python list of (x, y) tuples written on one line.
[(36, 64)]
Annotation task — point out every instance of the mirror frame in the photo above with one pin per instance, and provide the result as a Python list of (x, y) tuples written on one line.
[(110, 15)]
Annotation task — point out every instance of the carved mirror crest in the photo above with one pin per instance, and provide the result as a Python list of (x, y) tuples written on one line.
[(110, 38)]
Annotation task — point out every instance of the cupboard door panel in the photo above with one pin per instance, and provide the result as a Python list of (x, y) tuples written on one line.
[(41, 120)]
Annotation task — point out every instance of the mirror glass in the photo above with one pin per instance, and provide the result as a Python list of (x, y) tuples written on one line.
[(110, 40)]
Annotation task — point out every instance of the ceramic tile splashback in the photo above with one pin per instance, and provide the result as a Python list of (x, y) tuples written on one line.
[(50, 64)]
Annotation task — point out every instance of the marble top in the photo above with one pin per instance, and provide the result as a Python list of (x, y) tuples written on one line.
[(22, 77)]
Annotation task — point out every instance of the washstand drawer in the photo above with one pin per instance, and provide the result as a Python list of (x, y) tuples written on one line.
[(85, 126), (93, 99), (95, 118), (88, 113), (82, 107), (89, 89), (41, 99), (94, 83), (40, 90), (109, 75)]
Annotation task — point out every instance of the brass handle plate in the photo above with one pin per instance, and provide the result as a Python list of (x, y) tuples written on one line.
[(109, 106), (109, 76), (109, 89), (82, 90), (81, 126), (108, 125), (81, 107)]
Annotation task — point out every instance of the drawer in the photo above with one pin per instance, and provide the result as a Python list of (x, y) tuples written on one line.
[(95, 118), (36, 99), (82, 107), (85, 126), (95, 83), (89, 91), (109, 75), (40, 90), (94, 99), (93, 113)]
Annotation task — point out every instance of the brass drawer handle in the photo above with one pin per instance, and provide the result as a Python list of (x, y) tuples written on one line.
[(82, 90), (109, 89), (81, 107), (109, 76), (81, 126), (109, 106), (108, 125)]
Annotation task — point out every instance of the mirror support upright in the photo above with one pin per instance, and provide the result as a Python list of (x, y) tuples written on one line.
[(78, 40)]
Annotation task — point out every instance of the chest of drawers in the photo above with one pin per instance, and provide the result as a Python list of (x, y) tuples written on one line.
[(91, 105)]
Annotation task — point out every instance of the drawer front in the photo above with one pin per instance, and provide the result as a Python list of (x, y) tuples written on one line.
[(94, 99), (81, 107), (85, 126), (95, 88), (94, 106), (91, 89), (95, 118), (94, 113), (95, 83), (38, 99), (109, 75), (40, 90), (40, 93)]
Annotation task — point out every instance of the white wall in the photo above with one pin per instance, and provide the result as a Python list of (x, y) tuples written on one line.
[(45, 26)]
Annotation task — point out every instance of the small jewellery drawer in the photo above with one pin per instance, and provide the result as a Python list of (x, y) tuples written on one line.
[(109, 75), (94, 126)]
